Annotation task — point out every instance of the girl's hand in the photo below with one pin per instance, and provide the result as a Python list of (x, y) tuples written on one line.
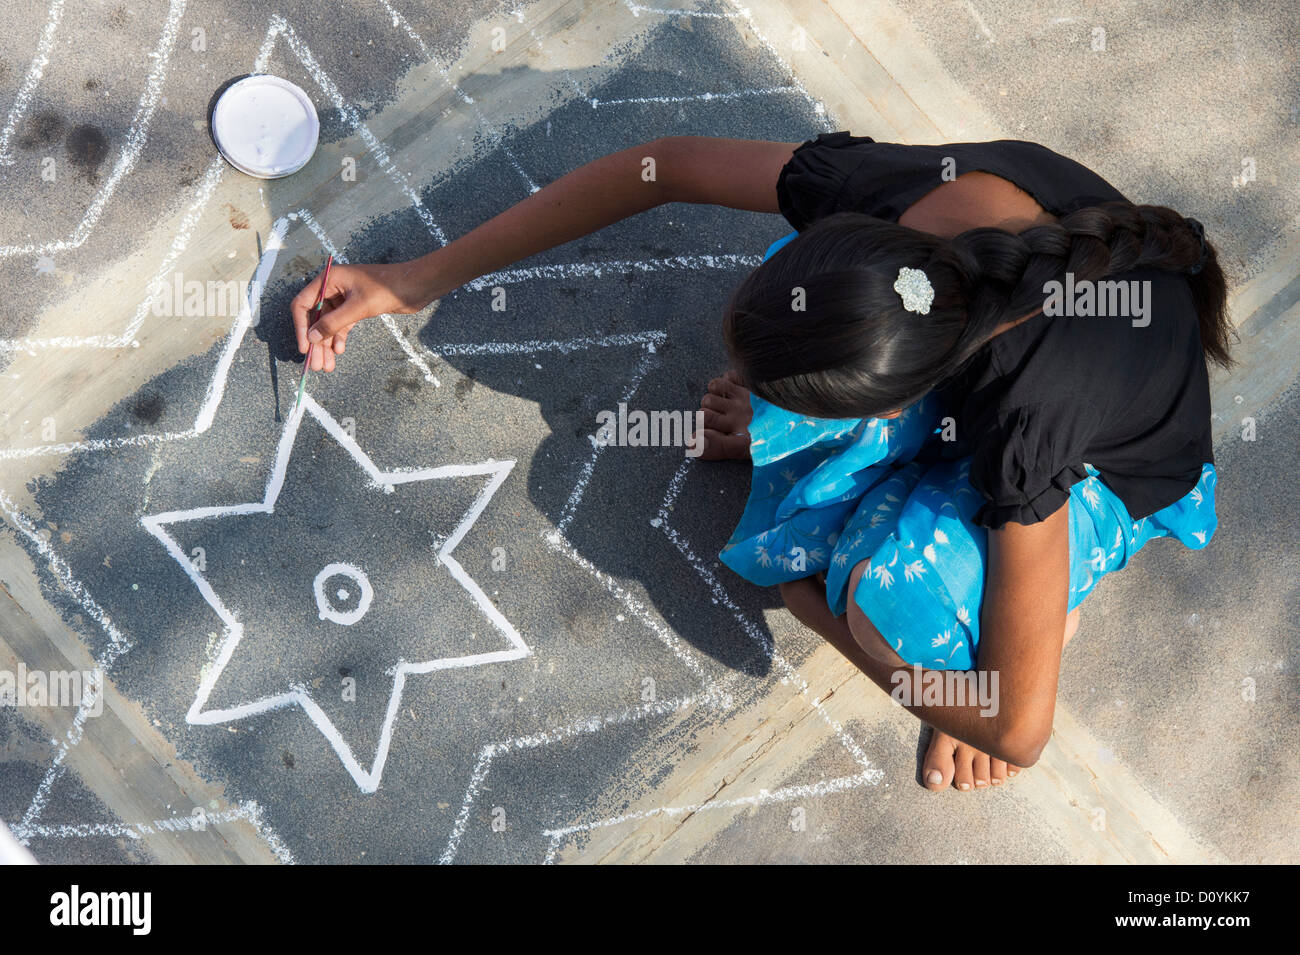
[(355, 292)]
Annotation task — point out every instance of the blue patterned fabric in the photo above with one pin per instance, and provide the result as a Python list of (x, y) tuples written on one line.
[(827, 494)]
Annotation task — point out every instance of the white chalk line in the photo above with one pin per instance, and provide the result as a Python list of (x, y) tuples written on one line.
[(249, 314), (117, 645), (367, 780), (497, 136), (572, 270), (870, 775), (650, 339), (557, 541), (136, 137), (818, 106), (389, 321), (637, 9), (825, 787), (762, 640), (375, 147), (749, 261), (180, 242), (586, 726), (694, 98), (35, 71), (712, 691), (589, 466), (248, 812), (207, 186)]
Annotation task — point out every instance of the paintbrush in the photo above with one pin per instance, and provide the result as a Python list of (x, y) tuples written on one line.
[(315, 311)]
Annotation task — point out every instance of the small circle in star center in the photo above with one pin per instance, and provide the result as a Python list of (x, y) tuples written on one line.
[(349, 583)]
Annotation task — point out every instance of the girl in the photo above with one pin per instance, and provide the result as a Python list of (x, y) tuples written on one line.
[(972, 384)]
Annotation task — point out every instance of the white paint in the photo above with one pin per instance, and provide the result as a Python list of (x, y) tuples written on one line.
[(117, 645), (202, 195), (266, 126), (136, 137), (35, 71), (712, 690), (571, 505), (248, 811), (373, 145), (571, 270), (761, 639), (367, 780), (327, 611), (637, 9), (765, 797), (696, 98), (649, 340), (594, 724), (818, 106), (586, 726), (248, 316), (497, 137)]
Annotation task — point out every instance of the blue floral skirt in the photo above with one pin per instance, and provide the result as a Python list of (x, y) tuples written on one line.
[(827, 494)]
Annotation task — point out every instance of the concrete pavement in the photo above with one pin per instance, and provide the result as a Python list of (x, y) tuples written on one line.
[(553, 666)]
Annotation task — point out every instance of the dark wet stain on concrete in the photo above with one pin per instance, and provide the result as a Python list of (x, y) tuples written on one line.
[(149, 408), (41, 130), (87, 148)]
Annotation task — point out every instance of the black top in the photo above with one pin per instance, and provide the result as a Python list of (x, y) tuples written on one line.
[(1054, 392)]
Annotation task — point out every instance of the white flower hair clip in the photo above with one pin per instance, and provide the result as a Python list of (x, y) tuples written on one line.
[(915, 289)]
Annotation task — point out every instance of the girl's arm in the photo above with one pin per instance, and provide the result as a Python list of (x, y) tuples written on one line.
[(1022, 629), (737, 173)]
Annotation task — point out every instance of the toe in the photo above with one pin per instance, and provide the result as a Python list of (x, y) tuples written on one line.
[(997, 772), (938, 767), (964, 773), (980, 768)]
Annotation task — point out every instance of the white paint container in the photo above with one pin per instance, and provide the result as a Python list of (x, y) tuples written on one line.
[(265, 126)]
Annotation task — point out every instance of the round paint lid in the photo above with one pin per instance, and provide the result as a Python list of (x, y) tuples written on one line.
[(265, 126)]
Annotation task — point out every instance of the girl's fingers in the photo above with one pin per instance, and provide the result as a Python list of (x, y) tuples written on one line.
[(339, 339), (300, 308)]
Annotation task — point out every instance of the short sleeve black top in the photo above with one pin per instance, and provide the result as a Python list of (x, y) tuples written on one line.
[(1054, 393)]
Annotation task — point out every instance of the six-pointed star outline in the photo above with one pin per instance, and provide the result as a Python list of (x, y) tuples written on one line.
[(367, 780)]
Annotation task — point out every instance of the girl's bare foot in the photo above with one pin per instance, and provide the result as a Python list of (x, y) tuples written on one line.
[(950, 762), (727, 414)]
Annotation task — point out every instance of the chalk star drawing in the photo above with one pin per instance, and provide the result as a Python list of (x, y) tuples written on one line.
[(713, 691), (383, 482)]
